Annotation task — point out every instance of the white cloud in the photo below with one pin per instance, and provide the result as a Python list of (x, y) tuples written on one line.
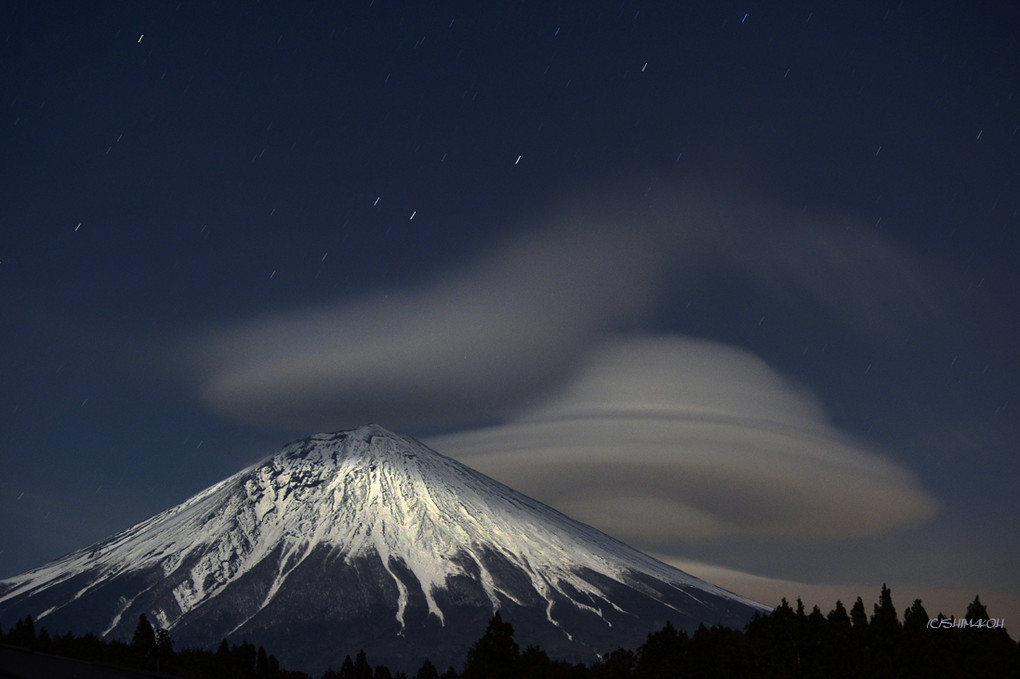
[(470, 346), (936, 598), (667, 438), (480, 343), (657, 440)]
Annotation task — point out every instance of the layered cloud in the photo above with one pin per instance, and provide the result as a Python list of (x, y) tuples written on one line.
[(652, 438), (472, 346), (481, 343), (664, 438), (538, 360)]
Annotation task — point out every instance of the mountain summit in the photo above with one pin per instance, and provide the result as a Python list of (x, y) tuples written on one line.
[(367, 539)]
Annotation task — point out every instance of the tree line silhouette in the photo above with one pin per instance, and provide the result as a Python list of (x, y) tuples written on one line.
[(787, 642)]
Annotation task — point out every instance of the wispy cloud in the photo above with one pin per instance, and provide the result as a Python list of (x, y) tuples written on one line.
[(470, 346), (770, 591), (480, 343), (537, 360)]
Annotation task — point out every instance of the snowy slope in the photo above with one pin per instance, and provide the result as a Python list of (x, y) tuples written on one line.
[(333, 503)]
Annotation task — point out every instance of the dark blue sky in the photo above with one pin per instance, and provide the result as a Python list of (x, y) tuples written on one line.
[(780, 235)]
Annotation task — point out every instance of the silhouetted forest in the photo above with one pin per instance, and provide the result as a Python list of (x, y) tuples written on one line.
[(787, 642)]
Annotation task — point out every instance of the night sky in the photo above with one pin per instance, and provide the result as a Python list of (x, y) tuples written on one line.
[(734, 282)]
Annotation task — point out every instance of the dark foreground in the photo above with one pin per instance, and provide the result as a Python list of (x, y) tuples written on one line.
[(788, 642)]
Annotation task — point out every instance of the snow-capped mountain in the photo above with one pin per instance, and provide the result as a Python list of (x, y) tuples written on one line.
[(367, 539)]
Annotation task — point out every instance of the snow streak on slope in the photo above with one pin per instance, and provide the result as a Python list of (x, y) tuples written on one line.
[(361, 493)]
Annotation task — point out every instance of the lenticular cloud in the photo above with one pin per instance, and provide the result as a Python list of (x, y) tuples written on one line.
[(468, 347), (486, 340), (707, 439)]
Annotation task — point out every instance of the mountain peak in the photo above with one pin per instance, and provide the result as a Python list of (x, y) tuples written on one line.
[(367, 530), (367, 432), (364, 442)]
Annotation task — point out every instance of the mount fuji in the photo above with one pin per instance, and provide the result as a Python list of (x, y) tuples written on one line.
[(365, 539)]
